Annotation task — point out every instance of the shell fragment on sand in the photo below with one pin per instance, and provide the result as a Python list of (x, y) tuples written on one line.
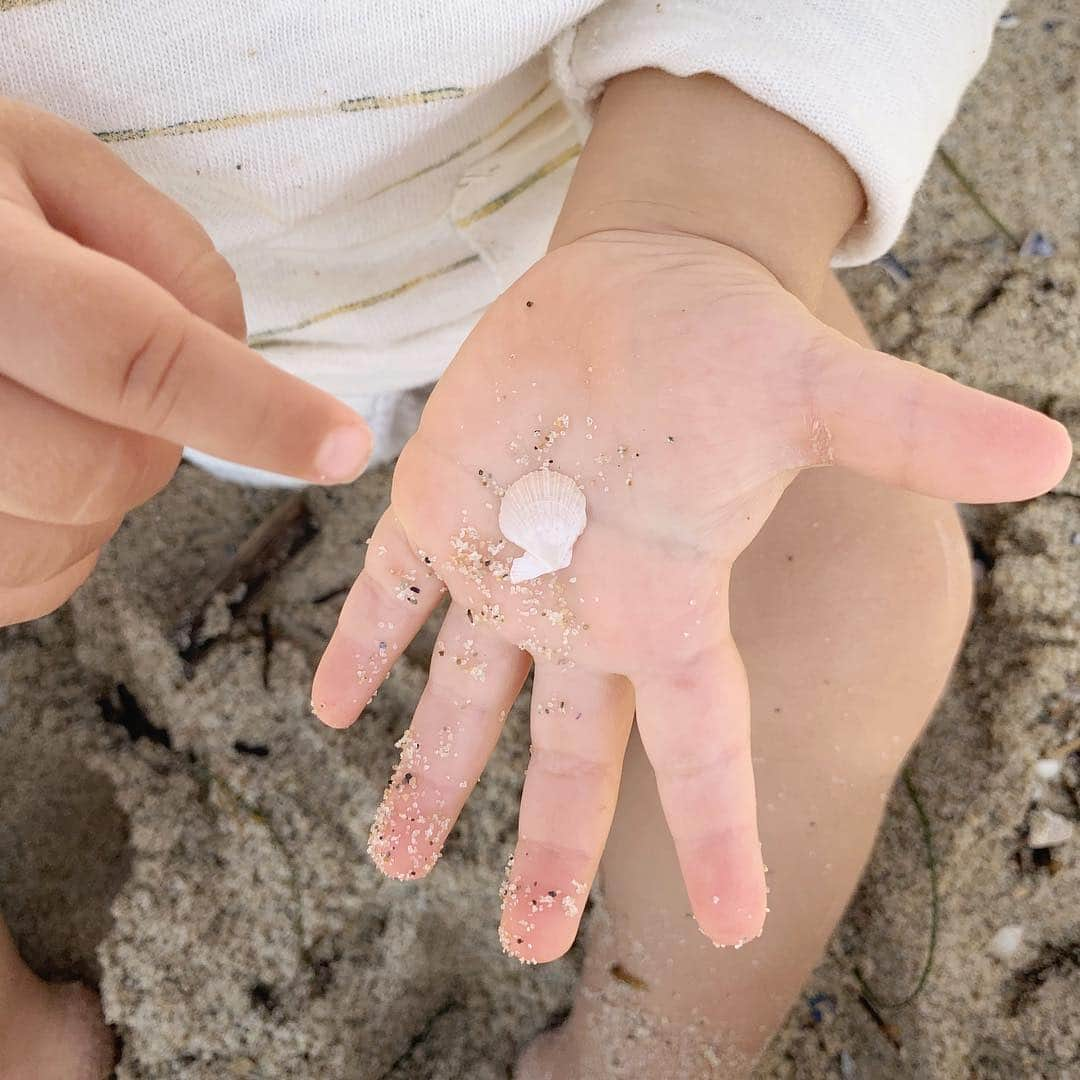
[(1047, 829), (542, 512)]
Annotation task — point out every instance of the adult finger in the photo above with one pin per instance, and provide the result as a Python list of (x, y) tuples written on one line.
[(902, 424), (695, 727), (32, 552), (385, 608), (29, 602), (86, 190), (62, 467), (580, 724), (119, 348), (475, 678)]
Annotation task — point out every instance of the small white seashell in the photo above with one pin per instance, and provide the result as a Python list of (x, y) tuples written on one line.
[(1047, 829), (544, 513), (1005, 944)]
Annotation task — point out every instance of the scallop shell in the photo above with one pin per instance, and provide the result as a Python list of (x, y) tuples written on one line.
[(544, 513)]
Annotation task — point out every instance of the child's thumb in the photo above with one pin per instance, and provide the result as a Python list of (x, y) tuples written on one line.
[(905, 425)]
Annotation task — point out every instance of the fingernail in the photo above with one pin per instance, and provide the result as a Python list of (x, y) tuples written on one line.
[(342, 456)]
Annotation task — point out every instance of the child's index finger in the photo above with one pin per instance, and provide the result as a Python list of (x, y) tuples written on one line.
[(93, 334)]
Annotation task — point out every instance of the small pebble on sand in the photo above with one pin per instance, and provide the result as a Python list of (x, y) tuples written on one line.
[(1005, 944), (1037, 245), (847, 1065), (1048, 768), (1047, 829)]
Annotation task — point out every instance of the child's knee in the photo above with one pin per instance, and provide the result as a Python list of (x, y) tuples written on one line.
[(851, 604), (909, 569), (933, 582), (917, 566)]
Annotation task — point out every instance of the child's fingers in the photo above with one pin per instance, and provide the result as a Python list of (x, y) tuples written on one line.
[(90, 193), (27, 602), (33, 552), (914, 428), (695, 727), (383, 612), (60, 466), (580, 724), (475, 677), (93, 334)]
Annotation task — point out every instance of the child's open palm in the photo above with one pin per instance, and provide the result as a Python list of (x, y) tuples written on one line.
[(682, 388)]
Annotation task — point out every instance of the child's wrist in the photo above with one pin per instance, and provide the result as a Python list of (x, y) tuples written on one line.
[(698, 156)]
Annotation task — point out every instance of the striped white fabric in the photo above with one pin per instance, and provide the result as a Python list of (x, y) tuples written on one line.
[(378, 171)]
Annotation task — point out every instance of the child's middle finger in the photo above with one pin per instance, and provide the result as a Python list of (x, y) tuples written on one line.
[(580, 724)]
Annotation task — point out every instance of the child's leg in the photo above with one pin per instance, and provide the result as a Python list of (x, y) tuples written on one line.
[(48, 1031), (848, 608)]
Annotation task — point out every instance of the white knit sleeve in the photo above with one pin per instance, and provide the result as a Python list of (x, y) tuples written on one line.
[(878, 79)]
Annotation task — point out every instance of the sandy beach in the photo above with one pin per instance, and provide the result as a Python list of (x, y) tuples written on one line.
[(177, 829)]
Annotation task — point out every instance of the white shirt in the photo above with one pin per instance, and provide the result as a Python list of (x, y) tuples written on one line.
[(378, 171)]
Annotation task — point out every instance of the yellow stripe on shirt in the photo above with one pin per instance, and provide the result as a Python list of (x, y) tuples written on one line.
[(536, 175), (266, 338), (504, 122), (222, 123)]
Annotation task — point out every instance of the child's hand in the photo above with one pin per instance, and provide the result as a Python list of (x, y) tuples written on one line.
[(683, 387), (121, 333)]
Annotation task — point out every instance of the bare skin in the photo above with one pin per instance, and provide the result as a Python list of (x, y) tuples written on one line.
[(49, 1031), (848, 607), (684, 387), (647, 284), (122, 341)]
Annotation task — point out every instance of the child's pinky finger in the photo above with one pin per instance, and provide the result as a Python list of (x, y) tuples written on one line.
[(385, 609), (695, 727)]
